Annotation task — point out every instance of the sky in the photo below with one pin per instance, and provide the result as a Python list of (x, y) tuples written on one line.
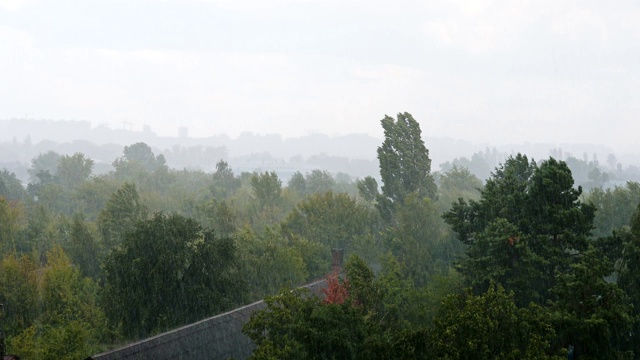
[(494, 72)]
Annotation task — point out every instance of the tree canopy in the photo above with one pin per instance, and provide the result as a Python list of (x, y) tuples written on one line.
[(169, 271), (405, 166)]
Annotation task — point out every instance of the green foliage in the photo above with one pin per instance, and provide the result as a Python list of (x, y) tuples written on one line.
[(69, 325), (392, 298), (319, 182), (491, 326), (313, 254), (84, 249), (221, 216), (418, 227), (10, 218), (54, 187), (479, 165), (40, 233), (364, 291), (224, 182), (297, 325), (18, 293), (614, 207), (73, 170), (137, 159), (405, 166), (368, 188), (526, 230), (627, 244), (267, 188), (169, 271), (269, 262), (554, 207), (90, 197), (44, 342), (502, 254), (458, 182), (41, 164), (539, 203), (66, 295), (333, 220), (123, 210), (592, 314), (504, 196), (11, 187), (298, 183)]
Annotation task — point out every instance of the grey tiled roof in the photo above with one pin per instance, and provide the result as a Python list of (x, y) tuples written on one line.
[(216, 338)]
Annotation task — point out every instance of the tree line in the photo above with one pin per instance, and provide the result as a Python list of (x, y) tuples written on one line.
[(440, 261), (533, 277)]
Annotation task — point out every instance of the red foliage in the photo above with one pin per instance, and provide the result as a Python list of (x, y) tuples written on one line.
[(336, 291)]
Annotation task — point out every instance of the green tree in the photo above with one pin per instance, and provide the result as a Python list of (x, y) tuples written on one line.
[(43, 163), (84, 249), (501, 254), (592, 314), (70, 325), (221, 216), (505, 196), (298, 325), (405, 166), (267, 188), (335, 221), (541, 210), (626, 252), (168, 272), (224, 182), (138, 157), (40, 233), (555, 209), (319, 181), (123, 210), (11, 187), (417, 231), (73, 170), (269, 262), (368, 188), (18, 293), (298, 183), (491, 326), (10, 217), (557, 217), (92, 196), (615, 207), (458, 182)]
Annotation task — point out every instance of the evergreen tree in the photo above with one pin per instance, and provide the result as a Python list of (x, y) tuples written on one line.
[(592, 314), (542, 206)]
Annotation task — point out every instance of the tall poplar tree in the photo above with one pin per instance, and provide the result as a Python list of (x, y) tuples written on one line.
[(405, 166)]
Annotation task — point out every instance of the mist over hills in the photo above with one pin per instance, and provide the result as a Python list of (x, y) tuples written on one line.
[(353, 154)]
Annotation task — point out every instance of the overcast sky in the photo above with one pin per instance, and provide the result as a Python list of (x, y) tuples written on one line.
[(485, 71)]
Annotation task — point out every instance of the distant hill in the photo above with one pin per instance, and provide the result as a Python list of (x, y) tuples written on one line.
[(354, 154)]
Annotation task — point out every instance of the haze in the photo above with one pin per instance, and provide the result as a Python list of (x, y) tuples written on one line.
[(494, 72)]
